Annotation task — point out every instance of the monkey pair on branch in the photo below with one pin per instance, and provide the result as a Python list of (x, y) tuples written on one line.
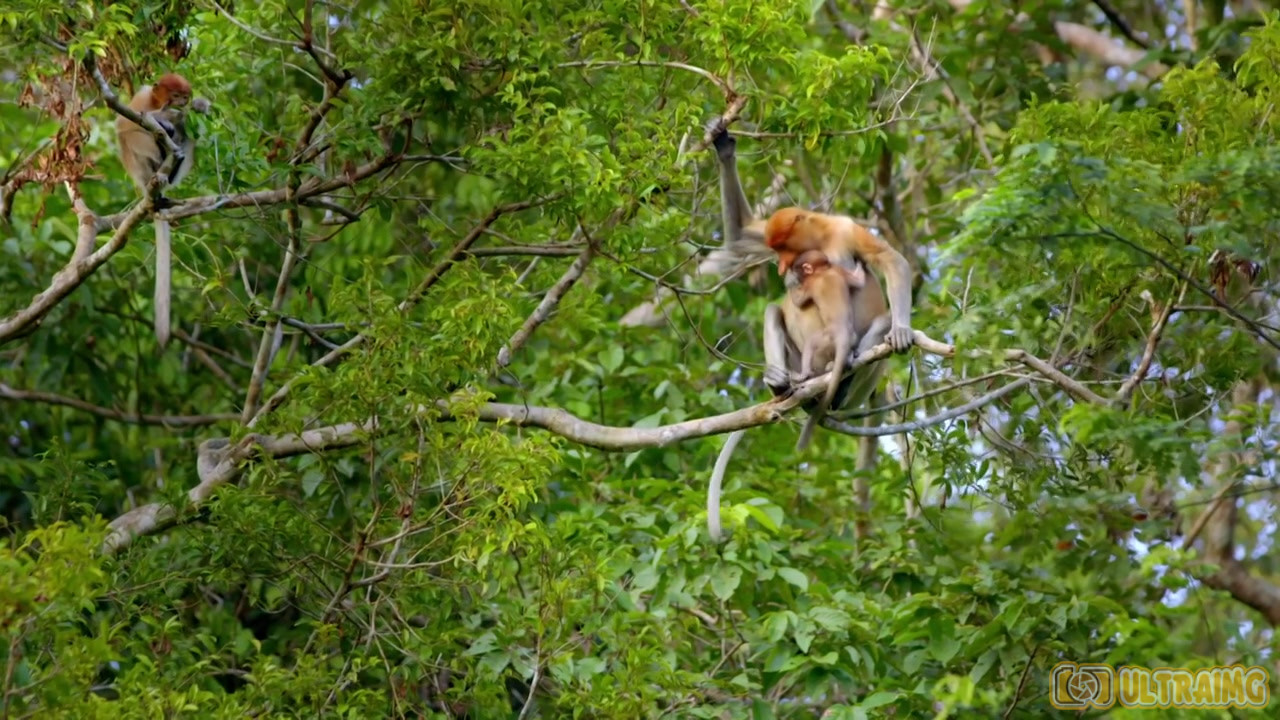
[(830, 313), (144, 156)]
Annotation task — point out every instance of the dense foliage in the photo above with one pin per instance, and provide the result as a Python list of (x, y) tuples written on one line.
[(377, 527)]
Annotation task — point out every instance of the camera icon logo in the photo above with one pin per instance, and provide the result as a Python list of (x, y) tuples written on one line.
[(1082, 686)]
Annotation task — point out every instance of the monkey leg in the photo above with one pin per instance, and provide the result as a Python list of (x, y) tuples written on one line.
[(859, 386), (811, 346), (780, 356)]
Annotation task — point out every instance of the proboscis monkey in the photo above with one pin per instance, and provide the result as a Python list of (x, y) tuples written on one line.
[(791, 231), (825, 320), (142, 157), (808, 332), (745, 234)]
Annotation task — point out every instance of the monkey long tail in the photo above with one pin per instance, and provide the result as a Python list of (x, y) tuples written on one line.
[(806, 433), (164, 258), (717, 478)]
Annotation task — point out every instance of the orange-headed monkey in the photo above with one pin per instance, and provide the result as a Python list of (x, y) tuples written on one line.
[(142, 157), (791, 231), (844, 242)]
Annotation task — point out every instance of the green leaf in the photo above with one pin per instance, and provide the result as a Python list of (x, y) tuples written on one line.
[(724, 580), (795, 577)]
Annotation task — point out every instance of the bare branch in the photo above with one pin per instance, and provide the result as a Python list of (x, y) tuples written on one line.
[(262, 198), (266, 347), (258, 33), (86, 223), (1080, 392), (549, 303), (534, 250), (727, 118), (173, 421), (1103, 48), (1148, 353), (916, 425), (219, 461), (70, 277), (1121, 24)]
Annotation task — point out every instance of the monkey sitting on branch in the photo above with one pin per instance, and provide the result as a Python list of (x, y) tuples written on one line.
[(787, 234), (142, 156), (826, 316)]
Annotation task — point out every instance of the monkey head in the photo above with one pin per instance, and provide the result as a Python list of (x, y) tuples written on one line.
[(171, 90), (785, 234), (810, 262)]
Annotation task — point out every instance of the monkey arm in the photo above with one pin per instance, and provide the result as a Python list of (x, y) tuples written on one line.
[(140, 154), (165, 119), (855, 278), (735, 210), (798, 293), (739, 223), (897, 274)]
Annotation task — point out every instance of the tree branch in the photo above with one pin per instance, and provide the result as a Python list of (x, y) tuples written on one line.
[(219, 461), (1149, 352), (548, 304), (70, 277), (1121, 24), (916, 425), (261, 198), (1080, 392), (136, 418)]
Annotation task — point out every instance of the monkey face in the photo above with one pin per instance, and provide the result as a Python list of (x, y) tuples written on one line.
[(810, 261), (172, 90)]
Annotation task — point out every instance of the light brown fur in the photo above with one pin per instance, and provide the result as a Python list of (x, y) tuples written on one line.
[(142, 157), (819, 315), (744, 237), (792, 231)]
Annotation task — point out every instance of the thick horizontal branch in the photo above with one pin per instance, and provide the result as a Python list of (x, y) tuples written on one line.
[(220, 461), (626, 439)]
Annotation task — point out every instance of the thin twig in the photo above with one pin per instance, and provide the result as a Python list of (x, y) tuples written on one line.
[(1149, 352), (1121, 24), (712, 77), (917, 425), (1022, 683), (1080, 392)]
